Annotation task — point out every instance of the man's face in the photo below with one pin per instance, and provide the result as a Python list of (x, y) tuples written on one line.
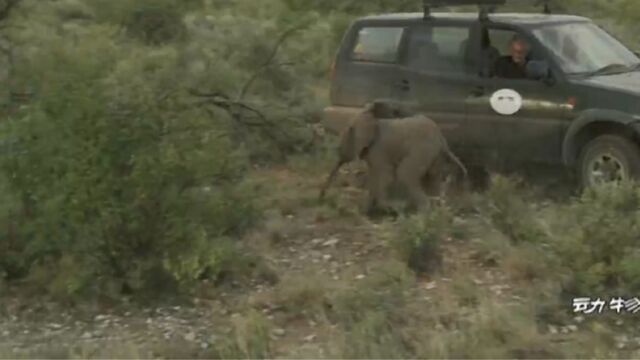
[(518, 52)]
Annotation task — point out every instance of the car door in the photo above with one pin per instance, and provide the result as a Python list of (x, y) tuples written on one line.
[(435, 75), (517, 121)]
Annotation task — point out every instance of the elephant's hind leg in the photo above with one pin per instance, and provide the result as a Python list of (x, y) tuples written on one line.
[(379, 179), (411, 173)]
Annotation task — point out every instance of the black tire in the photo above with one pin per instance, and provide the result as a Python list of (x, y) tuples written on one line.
[(608, 158)]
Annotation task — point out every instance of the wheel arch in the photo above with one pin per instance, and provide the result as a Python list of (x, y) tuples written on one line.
[(597, 122)]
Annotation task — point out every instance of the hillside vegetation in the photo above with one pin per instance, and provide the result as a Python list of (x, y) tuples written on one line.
[(158, 180)]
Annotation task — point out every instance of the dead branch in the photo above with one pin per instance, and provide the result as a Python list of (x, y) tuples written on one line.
[(238, 111), (283, 37), (257, 74)]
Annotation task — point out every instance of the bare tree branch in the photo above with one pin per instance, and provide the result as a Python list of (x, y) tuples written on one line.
[(257, 74), (235, 110), (283, 37)]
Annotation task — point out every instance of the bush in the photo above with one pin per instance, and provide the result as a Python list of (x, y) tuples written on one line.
[(509, 208), (154, 22), (249, 339), (122, 185), (599, 241), (419, 238)]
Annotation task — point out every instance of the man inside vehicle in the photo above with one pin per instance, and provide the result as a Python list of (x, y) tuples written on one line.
[(513, 66)]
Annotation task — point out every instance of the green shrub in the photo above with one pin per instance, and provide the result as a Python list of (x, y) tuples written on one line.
[(122, 185), (419, 238), (249, 339), (509, 208), (154, 22), (599, 240)]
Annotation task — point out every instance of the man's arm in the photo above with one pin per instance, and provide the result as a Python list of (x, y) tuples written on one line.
[(500, 67)]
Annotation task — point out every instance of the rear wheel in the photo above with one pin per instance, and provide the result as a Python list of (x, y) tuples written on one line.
[(608, 159)]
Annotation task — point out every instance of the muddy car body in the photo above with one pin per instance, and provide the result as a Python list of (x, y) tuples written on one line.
[(578, 107)]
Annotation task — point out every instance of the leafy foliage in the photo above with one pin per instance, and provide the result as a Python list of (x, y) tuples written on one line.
[(122, 184), (599, 241), (419, 240)]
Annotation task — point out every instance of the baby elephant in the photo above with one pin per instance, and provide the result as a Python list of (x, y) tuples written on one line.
[(408, 149)]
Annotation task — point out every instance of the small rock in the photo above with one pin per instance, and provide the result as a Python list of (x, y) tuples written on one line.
[(317, 241), (619, 322), (579, 319), (290, 217), (278, 332), (431, 285), (100, 317), (6, 333), (564, 330), (478, 282), (348, 263), (331, 242), (553, 329), (26, 332), (310, 338), (55, 326), (191, 336), (360, 277), (86, 335), (204, 346), (572, 328), (326, 257)]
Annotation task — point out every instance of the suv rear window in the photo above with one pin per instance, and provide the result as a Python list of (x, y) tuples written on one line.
[(377, 44), (438, 48)]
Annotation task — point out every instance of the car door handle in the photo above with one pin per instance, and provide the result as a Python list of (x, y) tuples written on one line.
[(478, 91), (404, 85)]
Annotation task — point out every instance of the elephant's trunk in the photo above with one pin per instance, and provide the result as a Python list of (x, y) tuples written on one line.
[(330, 179)]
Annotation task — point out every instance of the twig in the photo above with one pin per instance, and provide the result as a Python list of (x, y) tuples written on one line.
[(259, 72), (267, 63)]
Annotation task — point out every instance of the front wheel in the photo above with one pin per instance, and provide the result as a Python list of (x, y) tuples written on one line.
[(608, 159)]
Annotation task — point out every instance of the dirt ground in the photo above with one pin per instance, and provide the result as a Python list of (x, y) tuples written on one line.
[(301, 242)]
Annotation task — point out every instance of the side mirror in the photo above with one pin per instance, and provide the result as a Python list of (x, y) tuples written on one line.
[(539, 70)]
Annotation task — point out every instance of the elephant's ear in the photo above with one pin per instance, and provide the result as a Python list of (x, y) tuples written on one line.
[(365, 134)]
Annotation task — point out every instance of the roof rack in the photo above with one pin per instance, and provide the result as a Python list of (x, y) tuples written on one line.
[(485, 6)]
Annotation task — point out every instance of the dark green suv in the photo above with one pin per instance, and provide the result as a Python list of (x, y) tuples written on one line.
[(577, 106)]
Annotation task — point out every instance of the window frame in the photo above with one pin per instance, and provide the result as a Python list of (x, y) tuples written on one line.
[(534, 43), (468, 69), (356, 35)]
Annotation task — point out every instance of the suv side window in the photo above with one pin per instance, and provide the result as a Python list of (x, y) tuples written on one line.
[(434, 48), (377, 44), (498, 47)]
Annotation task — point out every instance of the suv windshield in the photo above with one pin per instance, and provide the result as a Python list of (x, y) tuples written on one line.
[(584, 48)]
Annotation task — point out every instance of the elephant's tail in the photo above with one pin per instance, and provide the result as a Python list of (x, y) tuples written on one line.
[(457, 161), (453, 157)]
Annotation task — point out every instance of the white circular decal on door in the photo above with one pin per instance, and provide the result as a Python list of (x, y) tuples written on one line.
[(506, 102)]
